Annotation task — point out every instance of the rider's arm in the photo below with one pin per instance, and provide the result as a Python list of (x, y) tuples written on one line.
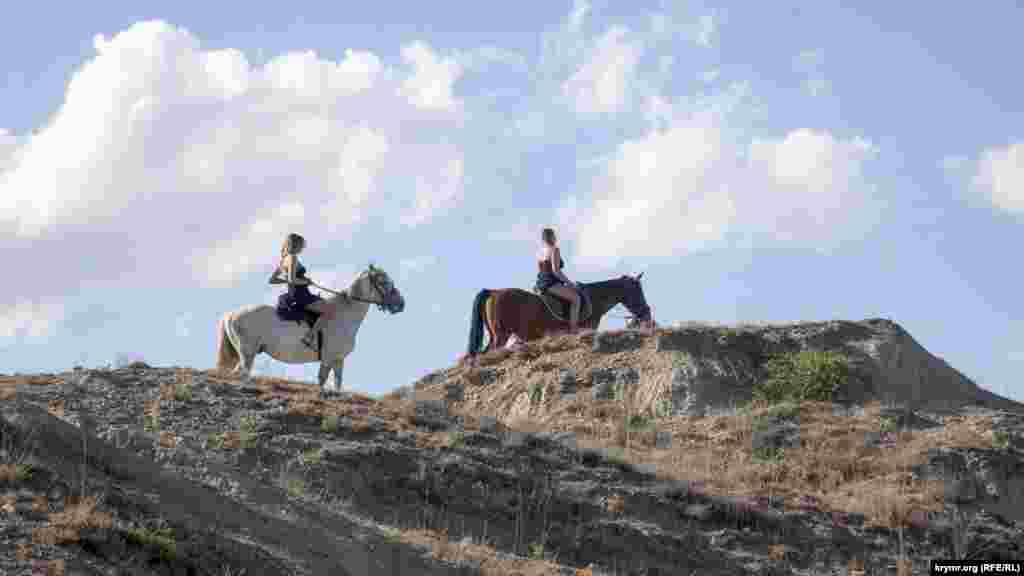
[(555, 257), (275, 278), (290, 265)]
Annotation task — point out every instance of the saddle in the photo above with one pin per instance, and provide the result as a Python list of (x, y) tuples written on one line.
[(560, 309)]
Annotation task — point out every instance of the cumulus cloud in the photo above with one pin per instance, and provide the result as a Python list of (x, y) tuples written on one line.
[(167, 161), (601, 83), (812, 184), (683, 187), (28, 319), (999, 176), (430, 86)]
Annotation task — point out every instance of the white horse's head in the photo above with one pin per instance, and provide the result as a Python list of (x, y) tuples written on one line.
[(374, 286)]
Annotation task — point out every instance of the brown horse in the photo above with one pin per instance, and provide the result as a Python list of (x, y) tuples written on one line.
[(511, 311)]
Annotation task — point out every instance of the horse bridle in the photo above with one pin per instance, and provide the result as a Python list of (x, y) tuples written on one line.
[(381, 304)]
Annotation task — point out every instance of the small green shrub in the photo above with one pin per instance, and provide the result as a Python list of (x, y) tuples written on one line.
[(391, 534), (215, 441), (663, 408), (536, 392), (770, 454), (639, 423), (22, 472), (807, 375), (312, 456), (456, 439), (182, 392), (1000, 439), (536, 551), (247, 431), (151, 423), (329, 424), (887, 424), (296, 487), (160, 538)]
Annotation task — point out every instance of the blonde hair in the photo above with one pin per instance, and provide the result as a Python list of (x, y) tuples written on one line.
[(292, 244)]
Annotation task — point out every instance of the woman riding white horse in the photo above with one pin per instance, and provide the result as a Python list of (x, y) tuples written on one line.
[(249, 331)]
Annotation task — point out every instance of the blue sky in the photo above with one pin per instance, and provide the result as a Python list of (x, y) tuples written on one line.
[(760, 163)]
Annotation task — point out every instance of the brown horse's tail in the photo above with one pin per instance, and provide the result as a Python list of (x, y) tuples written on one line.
[(227, 356), (476, 323)]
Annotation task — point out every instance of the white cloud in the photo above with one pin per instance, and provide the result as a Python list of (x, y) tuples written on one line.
[(813, 185), (251, 250), (166, 160), (999, 176), (601, 83), (706, 31), (684, 187), (28, 319), (810, 64), (430, 86), (709, 76), (436, 192)]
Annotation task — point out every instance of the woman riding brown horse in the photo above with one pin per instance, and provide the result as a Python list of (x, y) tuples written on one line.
[(513, 311)]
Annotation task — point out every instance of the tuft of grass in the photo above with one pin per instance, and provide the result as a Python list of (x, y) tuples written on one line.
[(536, 392), (329, 424), (536, 551), (151, 416), (640, 423), (807, 375), (663, 408), (215, 441), (247, 431), (887, 424), (1000, 439), (312, 457), (770, 454), (183, 392), (456, 439), (296, 487), (392, 535), (160, 539), (15, 472)]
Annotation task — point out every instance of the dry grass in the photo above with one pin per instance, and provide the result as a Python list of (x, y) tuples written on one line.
[(479, 553), (832, 468), (9, 383), (65, 527)]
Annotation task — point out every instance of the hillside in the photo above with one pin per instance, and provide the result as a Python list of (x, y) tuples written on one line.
[(611, 452)]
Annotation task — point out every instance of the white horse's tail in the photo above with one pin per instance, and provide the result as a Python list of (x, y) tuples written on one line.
[(227, 354)]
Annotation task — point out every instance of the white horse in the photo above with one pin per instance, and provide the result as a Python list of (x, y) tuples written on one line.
[(245, 333)]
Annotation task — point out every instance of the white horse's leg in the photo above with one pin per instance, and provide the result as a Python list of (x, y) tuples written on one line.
[(325, 370), (339, 367), (332, 389)]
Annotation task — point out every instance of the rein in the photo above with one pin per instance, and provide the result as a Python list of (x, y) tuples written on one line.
[(349, 296)]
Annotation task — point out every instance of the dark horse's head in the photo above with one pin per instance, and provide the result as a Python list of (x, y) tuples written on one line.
[(635, 301), (625, 290)]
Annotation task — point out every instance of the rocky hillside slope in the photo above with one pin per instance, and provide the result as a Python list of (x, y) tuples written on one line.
[(606, 453)]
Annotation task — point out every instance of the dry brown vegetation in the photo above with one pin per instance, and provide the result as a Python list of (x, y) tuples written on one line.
[(479, 553), (65, 527)]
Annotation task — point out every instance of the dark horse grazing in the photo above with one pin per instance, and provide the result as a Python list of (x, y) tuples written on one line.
[(513, 311)]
